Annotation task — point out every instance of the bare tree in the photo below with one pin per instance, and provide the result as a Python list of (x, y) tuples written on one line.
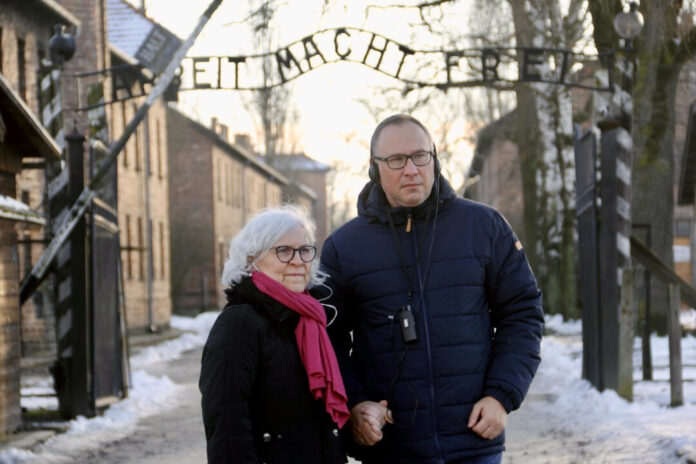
[(665, 45), (272, 104)]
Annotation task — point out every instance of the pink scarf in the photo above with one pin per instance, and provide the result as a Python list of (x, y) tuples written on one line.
[(317, 354)]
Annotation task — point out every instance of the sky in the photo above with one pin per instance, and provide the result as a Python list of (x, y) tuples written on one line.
[(331, 125), (562, 414)]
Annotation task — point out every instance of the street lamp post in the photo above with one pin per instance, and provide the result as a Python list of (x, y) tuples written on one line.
[(628, 25)]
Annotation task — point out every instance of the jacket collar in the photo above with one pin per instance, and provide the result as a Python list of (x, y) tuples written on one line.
[(245, 292), (373, 204)]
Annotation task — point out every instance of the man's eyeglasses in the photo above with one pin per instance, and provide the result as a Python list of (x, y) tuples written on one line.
[(286, 253), (419, 158)]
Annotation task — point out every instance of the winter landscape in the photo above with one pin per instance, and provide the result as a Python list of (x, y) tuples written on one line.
[(563, 419)]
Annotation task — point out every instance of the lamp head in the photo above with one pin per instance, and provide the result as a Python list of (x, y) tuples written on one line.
[(628, 24)]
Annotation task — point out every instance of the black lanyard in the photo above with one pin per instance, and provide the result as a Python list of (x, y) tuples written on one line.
[(401, 251)]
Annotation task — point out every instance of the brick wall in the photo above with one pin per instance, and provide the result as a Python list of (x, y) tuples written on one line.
[(500, 185), (316, 180), (215, 190), (191, 193), (133, 221), (10, 414)]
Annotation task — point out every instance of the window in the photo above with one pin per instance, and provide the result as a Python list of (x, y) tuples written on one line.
[(228, 189), (129, 262), (238, 186), (161, 241), (137, 142), (21, 68), (158, 135), (221, 252), (42, 56), (682, 227), (218, 174), (141, 249), (150, 256), (123, 120)]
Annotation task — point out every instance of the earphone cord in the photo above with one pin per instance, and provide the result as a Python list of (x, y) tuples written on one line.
[(432, 241), (402, 258)]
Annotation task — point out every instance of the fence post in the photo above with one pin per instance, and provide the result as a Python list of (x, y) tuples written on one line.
[(675, 363), (614, 247), (626, 335), (586, 212), (71, 370)]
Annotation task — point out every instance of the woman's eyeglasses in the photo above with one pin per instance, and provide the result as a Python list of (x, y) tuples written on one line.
[(286, 253)]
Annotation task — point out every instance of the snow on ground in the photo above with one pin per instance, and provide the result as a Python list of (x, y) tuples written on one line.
[(615, 430), (604, 426), (195, 333), (148, 395)]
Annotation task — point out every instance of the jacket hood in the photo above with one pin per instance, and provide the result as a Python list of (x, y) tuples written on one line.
[(373, 203)]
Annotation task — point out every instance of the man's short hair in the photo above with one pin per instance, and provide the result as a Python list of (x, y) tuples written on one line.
[(395, 120)]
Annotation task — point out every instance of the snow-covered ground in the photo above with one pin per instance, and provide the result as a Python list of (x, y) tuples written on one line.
[(603, 426), (148, 395)]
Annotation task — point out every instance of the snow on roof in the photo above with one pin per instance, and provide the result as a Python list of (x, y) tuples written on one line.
[(298, 162), (11, 208), (127, 29)]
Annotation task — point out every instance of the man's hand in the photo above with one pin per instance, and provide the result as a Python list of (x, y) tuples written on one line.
[(488, 418), (367, 419)]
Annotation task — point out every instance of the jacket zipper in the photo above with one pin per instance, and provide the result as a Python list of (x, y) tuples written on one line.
[(431, 380)]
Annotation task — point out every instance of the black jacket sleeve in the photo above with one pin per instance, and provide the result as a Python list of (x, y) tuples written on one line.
[(515, 305), (228, 370), (340, 330)]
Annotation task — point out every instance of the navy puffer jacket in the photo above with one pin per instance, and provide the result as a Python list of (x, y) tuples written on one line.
[(477, 310)]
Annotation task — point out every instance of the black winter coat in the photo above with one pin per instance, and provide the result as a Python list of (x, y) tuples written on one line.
[(257, 407), (477, 313)]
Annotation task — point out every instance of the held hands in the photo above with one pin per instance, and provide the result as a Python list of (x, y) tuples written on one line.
[(488, 418), (367, 419)]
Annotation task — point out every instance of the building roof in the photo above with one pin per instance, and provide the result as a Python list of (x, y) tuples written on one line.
[(298, 162), (687, 175), (126, 27), (23, 133), (496, 130), (232, 149), (60, 12), (304, 190), (15, 210), (139, 37)]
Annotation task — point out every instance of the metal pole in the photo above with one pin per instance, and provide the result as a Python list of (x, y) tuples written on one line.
[(84, 200), (675, 358)]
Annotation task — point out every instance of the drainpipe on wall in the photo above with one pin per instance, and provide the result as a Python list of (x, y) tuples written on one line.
[(151, 326)]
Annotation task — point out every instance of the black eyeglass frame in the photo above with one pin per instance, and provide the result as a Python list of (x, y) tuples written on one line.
[(295, 250), (406, 158)]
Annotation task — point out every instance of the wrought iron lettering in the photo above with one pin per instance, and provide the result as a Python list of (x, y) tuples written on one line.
[(309, 40), (501, 67), (285, 62), (341, 31), (198, 70)]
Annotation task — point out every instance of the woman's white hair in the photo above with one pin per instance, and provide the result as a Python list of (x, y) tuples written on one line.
[(259, 234)]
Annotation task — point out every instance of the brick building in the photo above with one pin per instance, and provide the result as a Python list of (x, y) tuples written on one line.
[(216, 186), (21, 137), (495, 171), (307, 172), (143, 174), (25, 30)]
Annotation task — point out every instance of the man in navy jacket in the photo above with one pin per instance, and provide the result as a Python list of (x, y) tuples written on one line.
[(439, 317)]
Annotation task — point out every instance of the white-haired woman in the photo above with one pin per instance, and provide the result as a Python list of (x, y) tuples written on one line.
[(272, 390)]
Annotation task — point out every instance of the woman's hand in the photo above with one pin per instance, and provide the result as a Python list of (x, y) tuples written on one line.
[(367, 419)]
